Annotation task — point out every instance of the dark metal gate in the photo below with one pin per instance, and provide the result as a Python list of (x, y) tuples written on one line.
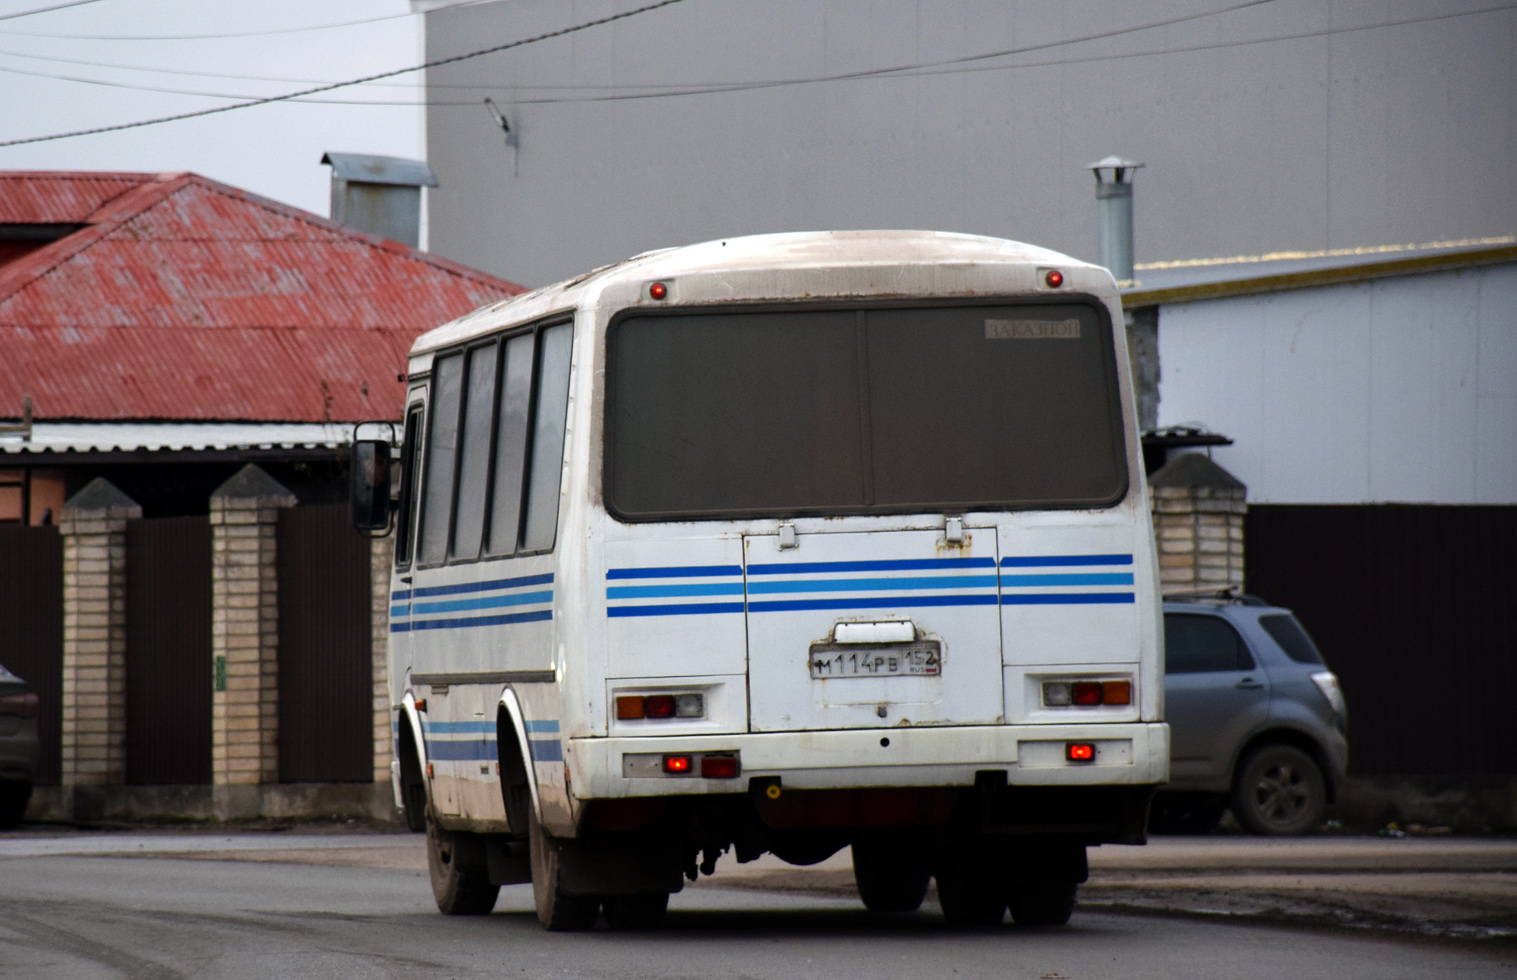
[(168, 651), (1415, 608), (31, 627), (326, 728)]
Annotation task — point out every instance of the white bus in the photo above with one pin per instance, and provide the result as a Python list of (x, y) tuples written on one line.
[(784, 544)]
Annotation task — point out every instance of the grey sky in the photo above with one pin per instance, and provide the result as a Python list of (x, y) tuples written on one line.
[(272, 150)]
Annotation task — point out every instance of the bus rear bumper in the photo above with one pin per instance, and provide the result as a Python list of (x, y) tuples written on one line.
[(1030, 755)]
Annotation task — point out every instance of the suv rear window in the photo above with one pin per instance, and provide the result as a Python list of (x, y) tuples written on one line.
[(1284, 629), (1199, 644), (862, 411)]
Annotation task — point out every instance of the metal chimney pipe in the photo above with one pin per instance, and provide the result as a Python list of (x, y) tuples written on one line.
[(1114, 199), (379, 195)]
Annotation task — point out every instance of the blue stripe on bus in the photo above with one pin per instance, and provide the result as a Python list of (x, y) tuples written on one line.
[(874, 584), (1087, 578), (908, 564), (474, 749), (400, 594), (1065, 598), (1043, 560), (546, 750), (456, 727), (676, 609), (661, 591), (536, 616), (490, 586), (485, 602), (675, 571), (873, 602), (400, 610), (547, 725)]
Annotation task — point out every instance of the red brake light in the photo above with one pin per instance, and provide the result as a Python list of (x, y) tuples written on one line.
[(658, 290), (23, 703), (1080, 752), (1053, 278), (1087, 692), (719, 766), (658, 706), (679, 765)]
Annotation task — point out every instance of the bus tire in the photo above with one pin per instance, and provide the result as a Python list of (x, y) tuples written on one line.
[(972, 890), (1042, 901), (645, 911), (557, 911), (457, 889), (889, 880)]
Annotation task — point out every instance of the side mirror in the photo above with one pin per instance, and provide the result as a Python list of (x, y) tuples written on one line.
[(369, 495)]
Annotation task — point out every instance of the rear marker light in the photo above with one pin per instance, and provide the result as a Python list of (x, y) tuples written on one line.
[(1080, 752), (658, 290), (719, 766), (1053, 278), (678, 765)]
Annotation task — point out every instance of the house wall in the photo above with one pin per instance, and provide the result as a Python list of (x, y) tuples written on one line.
[(1359, 137), (1400, 390)]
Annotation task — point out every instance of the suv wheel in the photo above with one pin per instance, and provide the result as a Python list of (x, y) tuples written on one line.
[(1279, 792)]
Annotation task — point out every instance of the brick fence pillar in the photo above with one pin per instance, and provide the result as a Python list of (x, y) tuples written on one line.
[(379, 587), (245, 639), (93, 527), (1198, 521)]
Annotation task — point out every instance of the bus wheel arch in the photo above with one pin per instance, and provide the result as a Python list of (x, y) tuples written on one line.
[(413, 780), (518, 785)]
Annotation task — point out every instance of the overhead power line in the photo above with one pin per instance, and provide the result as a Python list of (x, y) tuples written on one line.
[(924, 70), (356, 81), (44, 10)]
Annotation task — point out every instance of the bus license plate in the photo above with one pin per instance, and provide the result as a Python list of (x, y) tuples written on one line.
[(921, 660)]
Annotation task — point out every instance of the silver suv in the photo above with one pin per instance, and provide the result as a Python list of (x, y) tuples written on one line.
[(1257, 722)]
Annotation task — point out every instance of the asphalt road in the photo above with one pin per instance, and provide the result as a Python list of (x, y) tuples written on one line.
[(80, 917)]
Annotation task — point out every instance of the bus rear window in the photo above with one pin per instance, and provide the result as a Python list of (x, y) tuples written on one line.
[(878, 411)]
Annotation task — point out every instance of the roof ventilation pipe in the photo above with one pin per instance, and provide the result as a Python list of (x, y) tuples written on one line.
[(379, 195), (1114, 199)]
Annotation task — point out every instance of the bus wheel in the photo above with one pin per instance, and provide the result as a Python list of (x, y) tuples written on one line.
[(636, 911), (1040, 901), (889, 878), (556, 911), (972, 893), (458, 890)]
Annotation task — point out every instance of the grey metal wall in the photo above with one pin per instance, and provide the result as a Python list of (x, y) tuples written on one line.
[(1358, 137)]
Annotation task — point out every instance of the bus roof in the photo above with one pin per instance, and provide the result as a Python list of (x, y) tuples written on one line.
[(811, 250)]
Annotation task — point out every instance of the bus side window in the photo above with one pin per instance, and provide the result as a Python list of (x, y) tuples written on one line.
[(407, 509), (474, 453), (442, 457), (511, 445), (550, 419)]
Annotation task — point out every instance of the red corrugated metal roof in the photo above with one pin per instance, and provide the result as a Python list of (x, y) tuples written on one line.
[(189, 299), (59, 198)]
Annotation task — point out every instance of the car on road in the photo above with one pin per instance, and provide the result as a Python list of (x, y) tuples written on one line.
[(1258, 723), (18, 747)]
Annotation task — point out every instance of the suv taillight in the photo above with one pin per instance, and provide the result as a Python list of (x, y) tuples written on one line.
[(23, 703)]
